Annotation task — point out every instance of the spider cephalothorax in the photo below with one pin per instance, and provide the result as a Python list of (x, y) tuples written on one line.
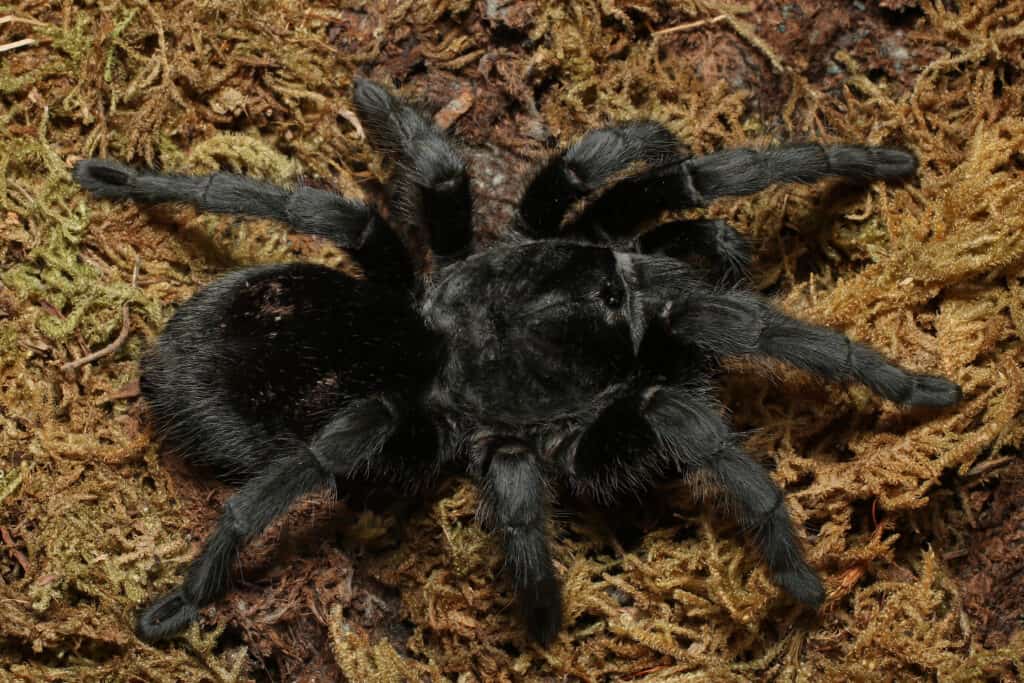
[(576, 354)]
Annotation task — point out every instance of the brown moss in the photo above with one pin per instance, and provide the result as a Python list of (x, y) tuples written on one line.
[(930, 272)]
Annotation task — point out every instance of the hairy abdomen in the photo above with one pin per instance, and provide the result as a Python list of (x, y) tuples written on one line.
[(278, 350)]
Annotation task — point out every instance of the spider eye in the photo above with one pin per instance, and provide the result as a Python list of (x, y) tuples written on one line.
[(612, 294)]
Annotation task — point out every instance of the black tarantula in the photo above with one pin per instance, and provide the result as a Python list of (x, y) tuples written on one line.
[(579, 351)]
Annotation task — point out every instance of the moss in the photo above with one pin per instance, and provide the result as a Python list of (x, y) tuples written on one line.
[(929, 272)]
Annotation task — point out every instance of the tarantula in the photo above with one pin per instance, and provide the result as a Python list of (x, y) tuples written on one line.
[(578, 351)]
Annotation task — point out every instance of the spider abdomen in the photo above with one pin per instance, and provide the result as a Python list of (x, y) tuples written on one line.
[(281, 349)]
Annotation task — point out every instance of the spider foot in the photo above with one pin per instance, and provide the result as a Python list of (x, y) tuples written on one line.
[(542, 611), (802, 584), (165, 617), (105, 179), (933, 391), (895, 163), (871, 163)]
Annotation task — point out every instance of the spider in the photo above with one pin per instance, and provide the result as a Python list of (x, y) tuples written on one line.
[(576, 354)]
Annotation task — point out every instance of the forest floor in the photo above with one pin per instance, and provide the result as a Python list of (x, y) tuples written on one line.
[(914, 518)]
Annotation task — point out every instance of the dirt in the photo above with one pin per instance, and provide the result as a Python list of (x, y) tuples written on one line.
[(913, 518), (991, 565)]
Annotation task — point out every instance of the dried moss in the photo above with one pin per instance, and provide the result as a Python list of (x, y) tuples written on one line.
[(929, 272)]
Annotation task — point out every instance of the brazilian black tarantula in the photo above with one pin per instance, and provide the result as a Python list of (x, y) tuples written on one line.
[(577, 354)]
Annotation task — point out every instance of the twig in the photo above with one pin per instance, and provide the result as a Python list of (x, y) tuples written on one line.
[(117, 343), (988, 466), (690, 25), (956, 554), (651, 670), (24, 42), (747, 32), (741, 28), (106, 350), (350, 116), (11, 19), (18, 555)]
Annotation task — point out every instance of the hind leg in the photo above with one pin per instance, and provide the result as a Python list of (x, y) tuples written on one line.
[(247, 513), (354, 440)]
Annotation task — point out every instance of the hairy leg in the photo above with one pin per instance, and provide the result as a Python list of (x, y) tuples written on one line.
[(675, 430), (515, 505), (349, 224), (247, 513), (738, 323), (618, 454), (431, 185), (354, 439), (674, 185), (746, 171), (726, 250), (587, 165)]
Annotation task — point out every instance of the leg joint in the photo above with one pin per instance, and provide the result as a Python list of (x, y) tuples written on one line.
[(724, 444), (323, 461), (847, 368), (232, 521), (205, 192), (685, 170), (764, 514), (763, 323)]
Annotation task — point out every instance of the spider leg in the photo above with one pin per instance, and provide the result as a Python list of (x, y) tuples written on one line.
[(431, 185), (746, 171), (570, 176), (354, 439), (726, 249), (246, 514), (738, 323), (617, 454), (662, 430), (514, 503), (682, 184), (350, 224)]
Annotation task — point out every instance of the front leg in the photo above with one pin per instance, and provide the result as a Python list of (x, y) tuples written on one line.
[(617, 454), (515, 505), (431, 183), (682, 184), (726, 251), (586, 166), (740, 323)]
